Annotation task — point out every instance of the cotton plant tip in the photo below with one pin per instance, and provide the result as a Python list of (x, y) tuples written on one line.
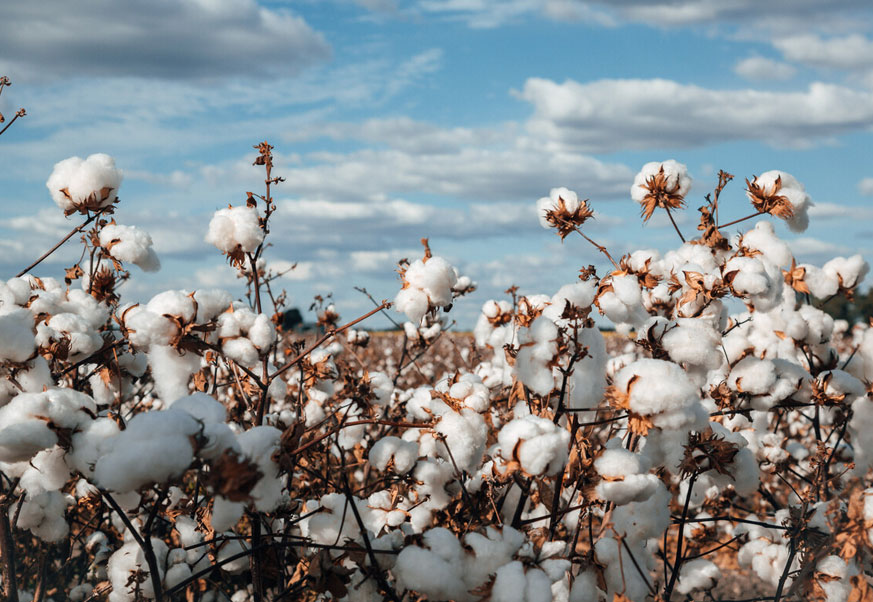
[(235, 229), (130, 244), (661, 184), (81, 185), (781, 195), (427, 285)]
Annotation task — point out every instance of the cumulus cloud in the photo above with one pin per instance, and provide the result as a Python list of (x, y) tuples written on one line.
[(865, 186), (853, 52), (168, 39), (758, 68), (613, 114)]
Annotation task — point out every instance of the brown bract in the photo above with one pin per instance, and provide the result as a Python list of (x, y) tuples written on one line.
[(662, 193), (795, 277), (566, 221), (769, 200), (707, 451)]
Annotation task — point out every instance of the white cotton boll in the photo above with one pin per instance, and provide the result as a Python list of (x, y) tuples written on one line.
[(382, 387), (579, 295), (490, 551), (694, 342), (43, 514), (514, 584), (210, 303), (750, 277), (129, 560), (849, 272), (413, 302), (225, 513), (84, 181), (831, 573), (427, 284), (434, 571), (656, 386), (80, 592), (47, 471), (585, 588), (619, 571), (552, 202), (147, 327), (676, 174), (235, 228), (697, 574), (130, 244), (763, 238), (25, 420), (176, 574), (171, 371), (464, 436), (538, 348), (433, 476), (201, 406), (753, 376), (17, 341), (403, 453), (164, 437), (821, 283), (646, 518), (624, 476), (259, 444), (233, 548), (537, 444), (792, 190)]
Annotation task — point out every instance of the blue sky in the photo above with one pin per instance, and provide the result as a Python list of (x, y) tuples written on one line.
[(394, 120)]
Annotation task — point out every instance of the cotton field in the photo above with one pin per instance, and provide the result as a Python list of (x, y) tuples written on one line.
[(718, 446)]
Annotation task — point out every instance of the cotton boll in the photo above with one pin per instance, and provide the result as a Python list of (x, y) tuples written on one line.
[(225, 513), (387, 449), (17, 343), (763, 238), (43, 514), (464, 435), (619, 571), (821, 283), (130, 244), (693, 342), (753, 376), (163, 437), (655, 386), (235, 228), (436, 570), (171, 371), (579, 295), (429, 284), (82, 185), (538, 348), (514, 584), (676, 174), (849, 272), (792, 190), (552, 203), (537, 444), (697, 574)]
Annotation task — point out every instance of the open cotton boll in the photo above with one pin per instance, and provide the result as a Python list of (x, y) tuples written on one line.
[(427, 284), (26, 421), (43, 514), (128, 565), (753, 376), (259, 445), (130, 244), (91, 184), (515, 584), (435, 570), (821, 284), (579, 295), (849, 272), (538, 348), (791, 190), (693, 342), (235, 228), (763, 238), (171, 371), (164, 437), (17, 341), (655, 386), (625, 476), (490, 551), (676, 174), (553, 202), (464, 436), (389, 449), (697, 574), (537, 444), (588, 380)]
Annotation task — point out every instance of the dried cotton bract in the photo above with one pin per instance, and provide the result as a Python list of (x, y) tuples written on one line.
[(563, 211), (780, 194), (661, 184)]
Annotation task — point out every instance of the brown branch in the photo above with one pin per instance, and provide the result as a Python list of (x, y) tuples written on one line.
[(62, 241)]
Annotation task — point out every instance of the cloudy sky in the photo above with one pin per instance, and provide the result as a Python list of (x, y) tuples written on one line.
[(398, 119)]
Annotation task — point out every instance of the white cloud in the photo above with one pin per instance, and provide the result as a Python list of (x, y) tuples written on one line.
[(758, 68), (853, 52), (865, 186), (157, 39), (609, 115)]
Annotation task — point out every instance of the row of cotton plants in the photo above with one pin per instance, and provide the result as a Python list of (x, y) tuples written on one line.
[(189, 448)]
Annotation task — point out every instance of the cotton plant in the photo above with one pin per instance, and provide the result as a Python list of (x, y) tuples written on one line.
[(189, 435)]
